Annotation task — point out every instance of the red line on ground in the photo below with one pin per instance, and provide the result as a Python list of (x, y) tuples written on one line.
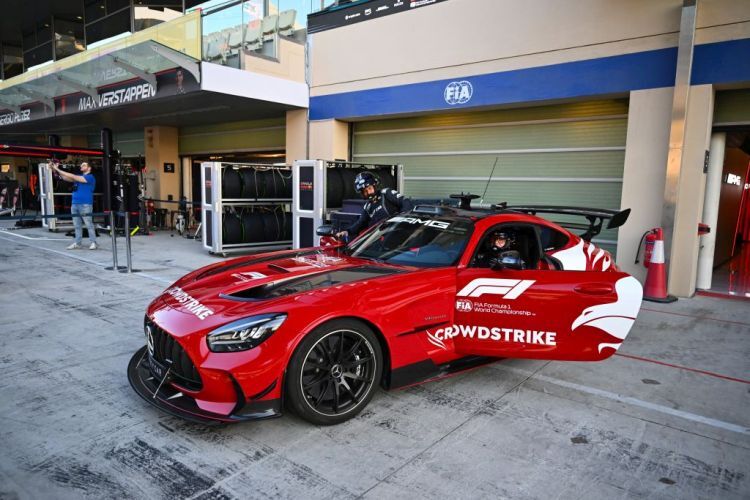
[(696, 317), (720, 295), (704, 372)]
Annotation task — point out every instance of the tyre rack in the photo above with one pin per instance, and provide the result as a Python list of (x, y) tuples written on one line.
[(47, 195), (213, 204), (311, 206)]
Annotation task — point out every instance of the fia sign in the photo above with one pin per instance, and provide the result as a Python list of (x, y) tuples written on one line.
[(458, 92)]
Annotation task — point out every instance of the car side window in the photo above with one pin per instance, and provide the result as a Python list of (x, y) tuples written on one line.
[(498, 240), (551, 239)]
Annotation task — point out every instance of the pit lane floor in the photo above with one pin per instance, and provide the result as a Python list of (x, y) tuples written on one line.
[(668, 417)]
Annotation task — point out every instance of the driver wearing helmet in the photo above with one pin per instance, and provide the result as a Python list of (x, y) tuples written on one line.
[(380, 204), (500, 242)]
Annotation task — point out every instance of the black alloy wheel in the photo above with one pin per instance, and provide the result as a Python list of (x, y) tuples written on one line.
[(334, 372)]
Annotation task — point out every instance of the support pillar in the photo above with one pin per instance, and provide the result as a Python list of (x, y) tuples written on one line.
[(691, 189), (644, 175), (329, 140), (296, 135), (161, 148)]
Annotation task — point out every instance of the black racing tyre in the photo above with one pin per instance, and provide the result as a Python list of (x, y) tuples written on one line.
[(252, 228), (231, 184), (334, 372), (250, 188), (271, 226), (284, 183), (232, 230)]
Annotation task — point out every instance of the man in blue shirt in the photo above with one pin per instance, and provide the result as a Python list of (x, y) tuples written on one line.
[(83, 203)]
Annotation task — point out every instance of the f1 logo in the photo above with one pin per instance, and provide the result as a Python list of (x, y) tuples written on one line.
[(509, 289)]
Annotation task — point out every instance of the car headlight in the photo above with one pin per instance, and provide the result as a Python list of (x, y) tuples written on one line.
[(244, 334)]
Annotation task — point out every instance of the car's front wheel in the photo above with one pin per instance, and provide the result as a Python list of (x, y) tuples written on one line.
[(334, 372)]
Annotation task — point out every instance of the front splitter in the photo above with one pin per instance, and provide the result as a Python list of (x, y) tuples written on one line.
[(174, 402)]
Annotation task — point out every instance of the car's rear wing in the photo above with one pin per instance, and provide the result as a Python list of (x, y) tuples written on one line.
[(595, 217)]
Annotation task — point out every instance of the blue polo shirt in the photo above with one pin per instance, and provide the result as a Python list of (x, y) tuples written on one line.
[(83, 192)]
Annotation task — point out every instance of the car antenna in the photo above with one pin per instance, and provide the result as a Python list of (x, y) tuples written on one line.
[(488, 180)]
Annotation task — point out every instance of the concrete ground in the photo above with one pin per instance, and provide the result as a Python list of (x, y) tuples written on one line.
[(668, 417)]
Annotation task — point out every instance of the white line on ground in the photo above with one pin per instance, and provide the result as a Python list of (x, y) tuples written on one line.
[(632, 401), (11, 233)]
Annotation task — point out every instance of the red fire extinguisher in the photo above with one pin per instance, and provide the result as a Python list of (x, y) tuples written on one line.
[(649, 237), (649, 248)]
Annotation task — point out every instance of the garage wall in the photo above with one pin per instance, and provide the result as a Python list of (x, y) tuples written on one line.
[(255, 135), (471, 37), (567, 154)]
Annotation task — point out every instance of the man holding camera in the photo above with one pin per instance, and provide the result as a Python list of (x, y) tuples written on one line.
[(82, 204)]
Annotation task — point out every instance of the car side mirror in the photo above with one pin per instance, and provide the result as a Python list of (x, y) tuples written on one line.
[(510, 259), (325, 230)]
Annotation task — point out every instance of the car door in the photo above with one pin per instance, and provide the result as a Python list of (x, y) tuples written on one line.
[(541, 314)]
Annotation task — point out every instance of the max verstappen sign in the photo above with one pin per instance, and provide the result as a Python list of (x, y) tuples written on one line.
[(357, 12), (170, 83)]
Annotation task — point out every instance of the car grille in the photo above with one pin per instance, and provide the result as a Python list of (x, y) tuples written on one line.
[(169, 353)]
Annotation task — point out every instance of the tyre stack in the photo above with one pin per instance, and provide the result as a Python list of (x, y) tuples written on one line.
[(266, 225), (256, 222)]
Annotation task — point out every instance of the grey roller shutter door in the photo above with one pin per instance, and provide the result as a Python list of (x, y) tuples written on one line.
[(568, 154)]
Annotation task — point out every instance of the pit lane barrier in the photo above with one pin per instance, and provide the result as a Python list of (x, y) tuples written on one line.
[(112, 230)]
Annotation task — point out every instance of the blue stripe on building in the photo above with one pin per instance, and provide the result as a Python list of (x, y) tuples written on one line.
[(721, 62)]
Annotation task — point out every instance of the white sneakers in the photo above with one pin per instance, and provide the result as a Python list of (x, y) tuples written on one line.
[(76, 246)]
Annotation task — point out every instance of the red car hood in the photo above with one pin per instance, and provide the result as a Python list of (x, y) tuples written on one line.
[(219, 293)]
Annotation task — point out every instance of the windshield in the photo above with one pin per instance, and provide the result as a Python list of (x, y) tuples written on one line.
[(426, 241)]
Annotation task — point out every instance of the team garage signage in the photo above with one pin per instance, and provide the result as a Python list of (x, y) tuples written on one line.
[(169, 83), (35, 111), (361, 11)]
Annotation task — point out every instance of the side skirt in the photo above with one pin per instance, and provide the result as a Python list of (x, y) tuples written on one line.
[(426, 370)]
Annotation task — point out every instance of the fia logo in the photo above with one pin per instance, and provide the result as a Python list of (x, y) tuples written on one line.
[(464, 305), (507, 288), (458, 92)]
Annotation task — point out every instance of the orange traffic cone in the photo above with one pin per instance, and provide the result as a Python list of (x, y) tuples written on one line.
[(655, 288)]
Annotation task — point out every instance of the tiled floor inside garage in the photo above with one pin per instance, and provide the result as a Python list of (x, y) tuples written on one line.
[(668, 417)]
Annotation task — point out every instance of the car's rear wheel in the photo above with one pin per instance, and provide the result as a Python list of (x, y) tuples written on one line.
[(334, 372)]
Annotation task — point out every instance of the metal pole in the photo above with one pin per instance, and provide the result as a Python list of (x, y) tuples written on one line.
[(113, 232), (128, 254), (679, 114)]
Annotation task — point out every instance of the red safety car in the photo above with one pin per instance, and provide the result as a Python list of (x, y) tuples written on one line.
[(419, 296)]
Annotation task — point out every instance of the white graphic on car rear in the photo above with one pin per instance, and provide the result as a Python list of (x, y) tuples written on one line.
[(506, 288), (615, 318), (584, 256)]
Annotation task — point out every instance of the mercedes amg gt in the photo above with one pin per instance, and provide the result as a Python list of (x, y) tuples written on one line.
[(419, 296)]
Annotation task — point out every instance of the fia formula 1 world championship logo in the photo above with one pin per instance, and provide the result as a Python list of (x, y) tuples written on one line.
[(506, 288)]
